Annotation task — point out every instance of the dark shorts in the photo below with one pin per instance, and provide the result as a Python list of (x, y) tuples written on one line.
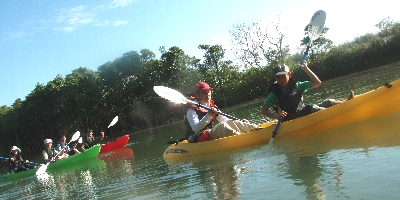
[(312, 108)]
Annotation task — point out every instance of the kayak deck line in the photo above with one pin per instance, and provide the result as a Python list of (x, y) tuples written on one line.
[(376, 103)]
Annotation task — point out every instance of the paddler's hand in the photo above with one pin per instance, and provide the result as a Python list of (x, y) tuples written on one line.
[(213, 112), (304, 66), (245, 120), (282, 114)]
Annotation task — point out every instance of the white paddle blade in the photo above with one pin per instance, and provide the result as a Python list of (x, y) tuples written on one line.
[(316, 25), (115, 120), (42, 169), (75, 136), (170, 94)]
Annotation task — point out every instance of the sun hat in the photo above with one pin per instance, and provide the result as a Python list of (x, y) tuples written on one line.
[(202, 86), (15, 148), (46, 141), (281, 69)]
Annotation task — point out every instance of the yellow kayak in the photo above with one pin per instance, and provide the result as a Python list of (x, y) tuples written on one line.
[(377, 103)]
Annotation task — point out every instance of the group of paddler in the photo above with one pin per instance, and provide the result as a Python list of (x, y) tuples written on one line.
[(52, 153), (285, 96)]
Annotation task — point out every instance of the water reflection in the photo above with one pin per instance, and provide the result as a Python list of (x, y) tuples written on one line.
[(306, 172), (303, 155), (205, 177), (71, 181), (119, 160)]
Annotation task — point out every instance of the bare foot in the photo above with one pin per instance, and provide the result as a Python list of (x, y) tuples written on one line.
[(351, 95)]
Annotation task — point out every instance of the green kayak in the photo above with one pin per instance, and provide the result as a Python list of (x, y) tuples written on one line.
[(75, 159), (90, 153)]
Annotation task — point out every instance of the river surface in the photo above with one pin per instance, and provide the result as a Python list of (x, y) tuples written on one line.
[(299, 168)]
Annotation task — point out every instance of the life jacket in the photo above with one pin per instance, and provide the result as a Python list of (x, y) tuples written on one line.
[(288, 102), (61, 145), (17, 161), (71, 152), (89, 141), (50, 152), (203, 134)]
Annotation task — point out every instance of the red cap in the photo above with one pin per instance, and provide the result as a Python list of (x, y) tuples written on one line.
[(203, 86)]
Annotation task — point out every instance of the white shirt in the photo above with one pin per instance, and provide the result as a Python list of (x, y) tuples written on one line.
[(197, 124)]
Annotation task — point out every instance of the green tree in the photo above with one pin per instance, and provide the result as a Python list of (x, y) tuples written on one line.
[(214, 68)]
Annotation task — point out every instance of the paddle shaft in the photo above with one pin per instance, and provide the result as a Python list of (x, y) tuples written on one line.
[(219, 112), (7, 159)]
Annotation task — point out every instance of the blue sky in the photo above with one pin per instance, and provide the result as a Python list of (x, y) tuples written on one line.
[(41, 39)]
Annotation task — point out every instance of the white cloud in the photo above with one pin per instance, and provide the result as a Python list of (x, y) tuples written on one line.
[(103, 23), (17, 35), (70, 19), (120, 22), (65, 28), (120, 3)]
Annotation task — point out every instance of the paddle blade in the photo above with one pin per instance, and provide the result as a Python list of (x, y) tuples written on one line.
[(115, 120), (75, 136), (42, 169), (316, 25), (80, 140), (170, 94)]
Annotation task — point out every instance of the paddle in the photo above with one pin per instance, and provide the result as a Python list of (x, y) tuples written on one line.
[(7, 159), (177, 97), (314, 31), (115, 120), (42, 169)]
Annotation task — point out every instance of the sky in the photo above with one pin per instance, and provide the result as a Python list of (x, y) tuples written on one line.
[(42, 39)]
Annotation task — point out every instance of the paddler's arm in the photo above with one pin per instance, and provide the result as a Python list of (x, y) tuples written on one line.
[(268, 103), (314, 78), (194, 121), (45, 156), (265, 112)]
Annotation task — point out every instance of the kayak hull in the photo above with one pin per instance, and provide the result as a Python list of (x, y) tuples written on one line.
[(77, 158), (18, 176), (377, 103), (116, 144)]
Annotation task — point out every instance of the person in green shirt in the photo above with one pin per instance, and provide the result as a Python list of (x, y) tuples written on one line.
[(285, 96)]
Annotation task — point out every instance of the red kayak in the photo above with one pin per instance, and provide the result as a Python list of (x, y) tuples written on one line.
[(116, 144)]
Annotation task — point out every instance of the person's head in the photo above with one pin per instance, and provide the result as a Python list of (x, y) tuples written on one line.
[(15, 150), (63, 138), (202, 91), (74, 144), (282, 74), (48, 143), (89, 132)]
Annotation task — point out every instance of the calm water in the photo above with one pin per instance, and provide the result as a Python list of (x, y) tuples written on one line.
[(310, 167)]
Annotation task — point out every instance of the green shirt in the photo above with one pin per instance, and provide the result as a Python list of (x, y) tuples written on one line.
[(302, 86)]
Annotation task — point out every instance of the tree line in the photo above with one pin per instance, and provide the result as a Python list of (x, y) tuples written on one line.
[(87, 99)]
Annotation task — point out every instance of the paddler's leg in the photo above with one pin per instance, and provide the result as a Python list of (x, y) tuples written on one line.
[(241, 126), (331, 102), (351, 95), (308, 109), (222, 130)]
